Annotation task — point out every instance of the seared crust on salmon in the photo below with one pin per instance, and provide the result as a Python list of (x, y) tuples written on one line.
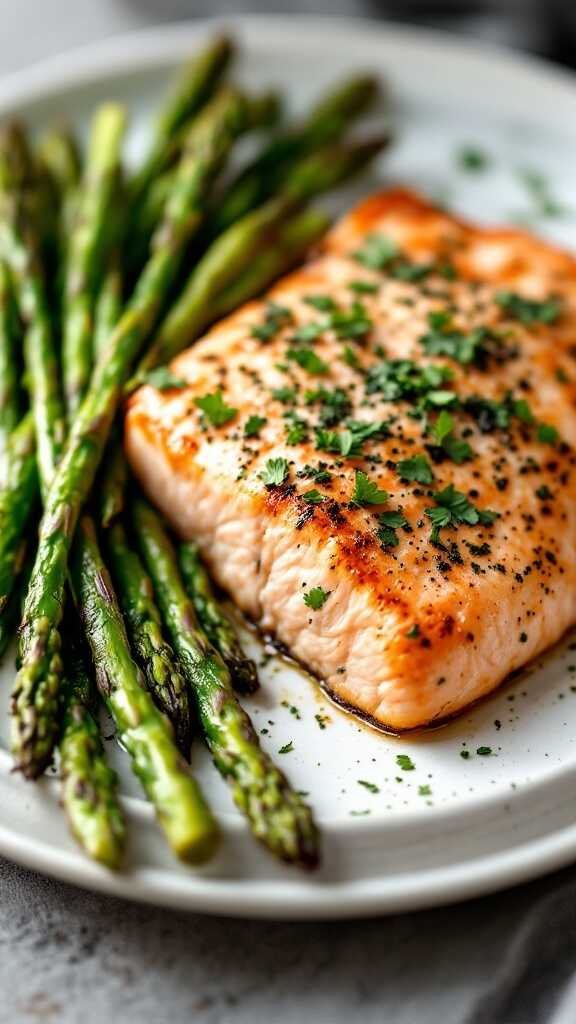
[(377, 459)]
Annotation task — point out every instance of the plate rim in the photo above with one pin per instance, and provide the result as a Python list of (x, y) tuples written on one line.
[(153, 47)]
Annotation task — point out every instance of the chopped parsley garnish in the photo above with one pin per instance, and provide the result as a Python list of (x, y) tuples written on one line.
[(275, 318), (484, 751), (284, 395), (389, 522), (215, 409), (296, 431), (350, 324), (529, 311), (547, 434), (308, 332), (334, 405), (424, 791), (287, 748), (415, 470), (377, 252), (366, 492), (443, 433), (254, 425), (413, 633), (370, 786), (313, 497), (324, 303), (399, 379), (538, 186), (452, 508), (350, 358), (316, 598), (275, 472), (349, 442), (363, 287), (405, 763), (472, 159), (444, 340), (163, 379), (308, 360), (318, 473)]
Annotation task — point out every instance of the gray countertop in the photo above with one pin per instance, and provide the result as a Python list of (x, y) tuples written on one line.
[(70, 956)]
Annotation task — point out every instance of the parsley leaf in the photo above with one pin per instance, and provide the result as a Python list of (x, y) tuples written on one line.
[(405, 762), (318, 473), (442, 431), (163, 379), (215, 409), (529, 311), (350, 441), (275, 318), (313, 497), (324, 303), (399, 379), (370, 786), (444, 340), (316, 598), (296, 431), (366, 492), (254, 425), (547, 434), (416, 469), (472, 159), (287, 748), (377, 252), (308, 360), (275, 472), (284, 395), (453, 507), (389, 523)]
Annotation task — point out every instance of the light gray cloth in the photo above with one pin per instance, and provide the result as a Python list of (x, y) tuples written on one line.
[(73, 957)]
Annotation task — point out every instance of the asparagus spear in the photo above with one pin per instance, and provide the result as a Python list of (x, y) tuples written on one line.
[(9, 369), (17, 500), (180, 807), (108, 305), (59, 154), (277, 815), (217, 625), (197, 82), (155, 656), (35, 693), (326, 123), (12, 612), (87, 246), (89, 785), (291, 245)]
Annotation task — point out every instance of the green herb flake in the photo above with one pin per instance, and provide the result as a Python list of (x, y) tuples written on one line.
[(254, 425), (529, 311), (424, 791), (275, 472), (308, 361), (163, 379), (215, 409), (370, 786), (472, 158), (316, 598), (452, 508), (313, 497), (415, 470), (324, 303), (484, 751), (547, 434), (405, 763), (366, 492), (389, 522), (377, 252), (363, 287), (414, 632), (275, 318), (321, 720), (285, 395), (287, 748), (465, 755)]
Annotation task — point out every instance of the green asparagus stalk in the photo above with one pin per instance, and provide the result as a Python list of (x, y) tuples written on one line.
[(217, 625), (59, 155), (265, 175), (87, 247), (108, 306), (293, 242), (17, 502), (180, 807), (234, 250), (154, 655), (35, 693), (20, 248), (9, 362), (12, 611), (278, 817), (194, 88), (89, 785)]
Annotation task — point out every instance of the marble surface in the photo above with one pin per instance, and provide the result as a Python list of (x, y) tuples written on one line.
[(69, 956)]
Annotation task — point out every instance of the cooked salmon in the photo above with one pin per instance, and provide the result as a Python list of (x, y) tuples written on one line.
[(377, 458)]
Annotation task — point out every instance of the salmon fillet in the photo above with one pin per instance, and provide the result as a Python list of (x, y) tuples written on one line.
[(377, 460)]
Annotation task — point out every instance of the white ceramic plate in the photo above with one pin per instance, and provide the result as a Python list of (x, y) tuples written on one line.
[(453, 826)]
